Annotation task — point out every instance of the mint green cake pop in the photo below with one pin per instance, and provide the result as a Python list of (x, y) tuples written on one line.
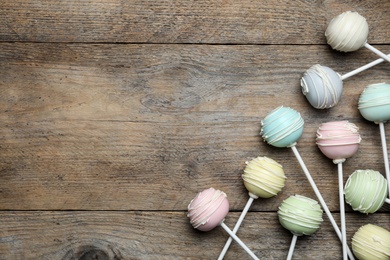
[(282, 127), (374, 102)]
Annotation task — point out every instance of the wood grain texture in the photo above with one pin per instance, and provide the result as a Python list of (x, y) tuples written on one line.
[(114, 114), (159, 129), (158, 235), (167, 21)]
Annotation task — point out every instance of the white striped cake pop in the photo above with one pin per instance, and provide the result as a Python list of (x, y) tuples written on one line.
[(365, 191), (208, 210), (322, 86), (301, 215), (371, 242), (348, 32), (263, 177)]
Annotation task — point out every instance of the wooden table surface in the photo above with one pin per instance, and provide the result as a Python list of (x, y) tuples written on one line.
[(115, 114)]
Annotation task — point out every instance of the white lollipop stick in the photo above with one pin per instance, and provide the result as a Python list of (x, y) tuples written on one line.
[(342, 210), (385, 156), (319, 196), (376, 51), (231, 234), (236, 227), (363, 68), (387, 201), (292, 247)]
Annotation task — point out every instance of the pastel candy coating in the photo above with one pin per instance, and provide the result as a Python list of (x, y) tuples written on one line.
[(208, 209), (365, 191), (347, 32), (374, 102), (371, 242), (301, 215), (338, 139), (322, 86), (282, 127), (263, 177)]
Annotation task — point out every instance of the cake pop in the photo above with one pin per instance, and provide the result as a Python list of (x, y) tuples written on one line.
[(264, 178), (374, 105), (371, 242), (365, 191), (374, 102), (208, 210), (301, 215), (348, 32), (339, 140), (323, 87), (282, 127)]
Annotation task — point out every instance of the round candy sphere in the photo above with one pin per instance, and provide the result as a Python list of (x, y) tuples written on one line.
[(374, 102), (322, 86), (371, 242), (338, 140), (282, 127), (365, 191), (208, 209), (263, 177), (301, 215), (347, 32)]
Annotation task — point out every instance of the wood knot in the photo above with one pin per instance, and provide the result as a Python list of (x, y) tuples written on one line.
[(94, 254)]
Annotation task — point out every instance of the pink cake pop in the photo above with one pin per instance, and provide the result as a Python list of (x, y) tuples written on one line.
[(208, 210), (339, 140)]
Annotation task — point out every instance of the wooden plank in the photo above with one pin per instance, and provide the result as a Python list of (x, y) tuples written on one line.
[(135, 127), (167, 83), (159, 235), (141, 21)]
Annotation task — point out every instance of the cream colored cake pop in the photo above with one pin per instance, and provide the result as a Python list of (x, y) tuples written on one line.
[(348, 32), (263, 177), (371, 242)]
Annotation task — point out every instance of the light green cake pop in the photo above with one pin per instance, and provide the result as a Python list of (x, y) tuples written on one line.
[(301, 215), (365, 191)]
